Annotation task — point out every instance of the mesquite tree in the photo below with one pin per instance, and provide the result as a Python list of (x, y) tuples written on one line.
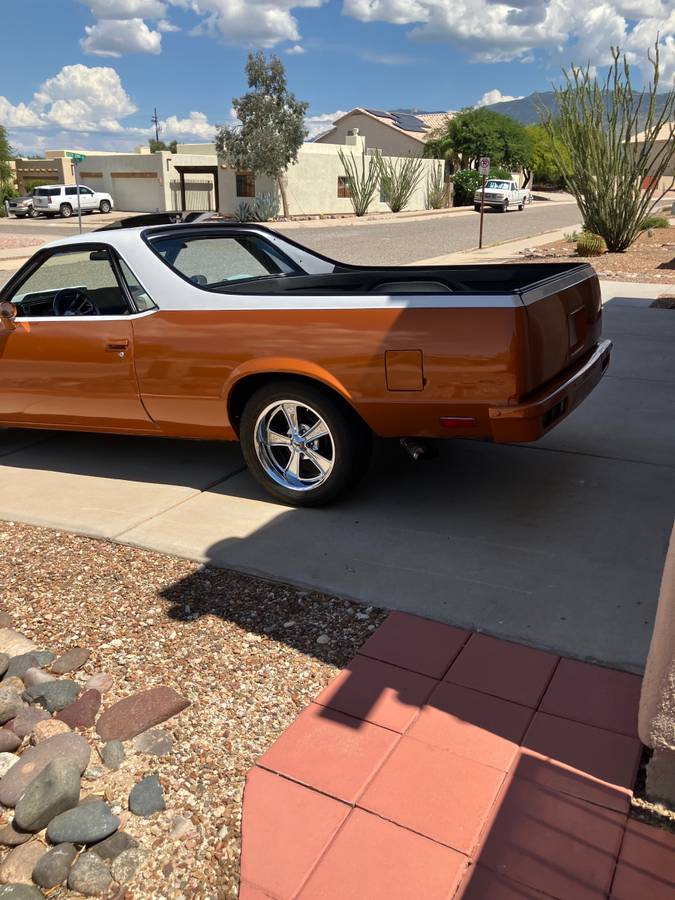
[(614, 177), (362, 180), (272, 125)]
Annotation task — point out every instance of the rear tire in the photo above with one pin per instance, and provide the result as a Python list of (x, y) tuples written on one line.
[(65, 211), (275, 453), (104, 206)]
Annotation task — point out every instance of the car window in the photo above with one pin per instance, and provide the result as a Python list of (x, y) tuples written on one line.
[(211, 261), (142, 299), (499, 185), (71, 283), (71, 191), (86, 190), (47, 192)]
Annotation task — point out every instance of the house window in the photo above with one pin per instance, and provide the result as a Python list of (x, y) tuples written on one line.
[(245, 184), (343, 186)]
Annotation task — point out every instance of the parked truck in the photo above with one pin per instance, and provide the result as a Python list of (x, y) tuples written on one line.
[(503, 195)]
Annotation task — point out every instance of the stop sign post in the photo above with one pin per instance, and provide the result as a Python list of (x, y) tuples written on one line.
[(483, 171)]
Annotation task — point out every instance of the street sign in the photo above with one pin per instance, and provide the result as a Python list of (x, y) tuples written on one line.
[(484, 165), (76, 157)]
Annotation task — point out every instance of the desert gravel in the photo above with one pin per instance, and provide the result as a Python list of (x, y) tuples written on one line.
[(247, 653)]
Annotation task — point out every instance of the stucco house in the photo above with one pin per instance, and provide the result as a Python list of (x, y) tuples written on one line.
[(665, 136), (395, 133)]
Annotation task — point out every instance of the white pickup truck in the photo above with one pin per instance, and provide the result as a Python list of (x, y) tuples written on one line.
[(502, 195)]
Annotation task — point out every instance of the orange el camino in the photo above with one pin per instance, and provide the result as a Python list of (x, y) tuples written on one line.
[(234, 332)]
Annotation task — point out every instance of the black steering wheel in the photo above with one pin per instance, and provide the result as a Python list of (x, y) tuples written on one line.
[(74, 302)]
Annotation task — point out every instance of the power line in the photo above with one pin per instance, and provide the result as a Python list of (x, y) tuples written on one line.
[(155, 121)]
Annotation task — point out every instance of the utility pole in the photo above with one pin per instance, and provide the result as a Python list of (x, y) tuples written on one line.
[(155, 121)]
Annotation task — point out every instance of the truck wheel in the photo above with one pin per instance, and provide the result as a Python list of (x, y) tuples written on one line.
[(476, 206), (104, 206), (302, 444), (33, 213), (66, 211), (521, 206), (505, 206)]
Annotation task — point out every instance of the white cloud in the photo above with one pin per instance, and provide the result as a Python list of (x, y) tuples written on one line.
[(260, 23), (317, 123), (295, 50), (126, 9), (113, 37), (196, 126), (497, 31), (165, 26), (495, 96)]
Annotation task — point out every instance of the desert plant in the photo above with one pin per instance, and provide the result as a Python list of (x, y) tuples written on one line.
[(361, 178), (654, 222), (613, 176), (571, 236), (399, 179), (466, 182), (266, 207), (589, 244), (244, 212), (436, 195)]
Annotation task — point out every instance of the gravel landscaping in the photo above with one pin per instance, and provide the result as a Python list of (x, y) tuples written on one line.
[(650, 259), (143, 797)]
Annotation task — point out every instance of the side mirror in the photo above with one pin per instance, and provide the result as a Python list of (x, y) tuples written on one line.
[(99, 256), (7, 314)]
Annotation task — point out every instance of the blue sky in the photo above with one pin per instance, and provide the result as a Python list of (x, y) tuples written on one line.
[(87, 73)]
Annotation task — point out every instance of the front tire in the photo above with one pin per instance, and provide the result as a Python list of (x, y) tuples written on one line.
[(505, 206), (104, 206), (33, 213), (302, 444), (65, 211)]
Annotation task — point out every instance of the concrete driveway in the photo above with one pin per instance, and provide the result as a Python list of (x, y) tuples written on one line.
[(559, 544)]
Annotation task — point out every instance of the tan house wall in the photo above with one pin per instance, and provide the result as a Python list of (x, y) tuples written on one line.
[(378, 136), (43, 171), (312, 183)]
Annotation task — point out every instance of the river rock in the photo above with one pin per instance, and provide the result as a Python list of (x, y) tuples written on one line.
[(46, 729), (44, 657), (6, 621), (20, 892), (89, 876), (53, 695), (53, 791), (9, 741), (26, 720), (113, 755), (35, 675), (18, 866), (10, 836), (13, 643), (82, 713), (19, 665), (10, 704), (156, 742), (71, 660), (35, 759), (13, 682), (146, 797), (7, 760), (4, 663), (125, 866), (53, 868), (101, 682), (135, 714), (88, 823), (112, 846)]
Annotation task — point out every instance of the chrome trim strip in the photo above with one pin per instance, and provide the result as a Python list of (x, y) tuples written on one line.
[(561, 282)]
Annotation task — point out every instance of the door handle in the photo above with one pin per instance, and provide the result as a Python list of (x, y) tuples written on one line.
[(117, 345)]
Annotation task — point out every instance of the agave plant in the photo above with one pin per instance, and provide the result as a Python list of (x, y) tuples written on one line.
[(436, 196), (266, 207), (361, 180), (398, 180), (244, 212)]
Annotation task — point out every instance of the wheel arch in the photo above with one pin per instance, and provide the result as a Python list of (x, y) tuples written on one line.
[(247, 379)]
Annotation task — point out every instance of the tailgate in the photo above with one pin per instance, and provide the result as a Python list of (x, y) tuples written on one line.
[(564, 316)]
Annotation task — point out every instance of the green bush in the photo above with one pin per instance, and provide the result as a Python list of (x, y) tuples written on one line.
[(244, 212), (436, 195), (466, 182), (654, 222)]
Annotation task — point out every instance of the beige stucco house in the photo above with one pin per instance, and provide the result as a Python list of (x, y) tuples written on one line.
[(666, 135), (392, 133)]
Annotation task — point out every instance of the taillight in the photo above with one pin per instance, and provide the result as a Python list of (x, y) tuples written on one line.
[(458, 422)]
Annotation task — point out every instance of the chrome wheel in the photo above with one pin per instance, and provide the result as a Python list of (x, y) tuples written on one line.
[(294, 445)]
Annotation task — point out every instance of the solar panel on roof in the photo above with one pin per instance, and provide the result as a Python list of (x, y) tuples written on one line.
[(380, 113), (408, 122)]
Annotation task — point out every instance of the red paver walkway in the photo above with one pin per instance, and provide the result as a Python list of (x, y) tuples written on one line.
[(442, 764)]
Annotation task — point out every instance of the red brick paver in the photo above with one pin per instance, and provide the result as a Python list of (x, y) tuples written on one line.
[(443, 765)]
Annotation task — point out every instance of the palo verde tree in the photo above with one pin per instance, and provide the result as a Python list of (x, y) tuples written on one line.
[(272, 125), (613, 146)]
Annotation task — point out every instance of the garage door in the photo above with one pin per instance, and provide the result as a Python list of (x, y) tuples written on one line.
[(136, 192)]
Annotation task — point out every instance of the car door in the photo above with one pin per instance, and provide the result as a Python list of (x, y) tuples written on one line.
[(87, 198), (67, 359)]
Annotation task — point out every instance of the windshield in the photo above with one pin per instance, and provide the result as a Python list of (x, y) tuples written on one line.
[(499, 185), (212, 261)]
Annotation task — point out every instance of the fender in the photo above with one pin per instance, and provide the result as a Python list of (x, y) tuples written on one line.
[(282, 365)]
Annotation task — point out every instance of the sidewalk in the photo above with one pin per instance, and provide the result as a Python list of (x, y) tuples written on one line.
[(496, 253), (442, 763)]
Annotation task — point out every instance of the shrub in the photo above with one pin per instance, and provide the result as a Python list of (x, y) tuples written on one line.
[(362, 182), (572, 236), (589, 244), (266, 207), (244, 212), (436, 196), (398, 180), (654, 222), (466, 182)]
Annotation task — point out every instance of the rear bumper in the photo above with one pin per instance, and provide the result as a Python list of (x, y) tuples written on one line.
[(529, 421)]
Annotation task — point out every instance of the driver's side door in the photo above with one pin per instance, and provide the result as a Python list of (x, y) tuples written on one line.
[(67, 359)]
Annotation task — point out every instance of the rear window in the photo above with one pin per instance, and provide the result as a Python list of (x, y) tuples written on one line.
[(47, 192), (213, 261)]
